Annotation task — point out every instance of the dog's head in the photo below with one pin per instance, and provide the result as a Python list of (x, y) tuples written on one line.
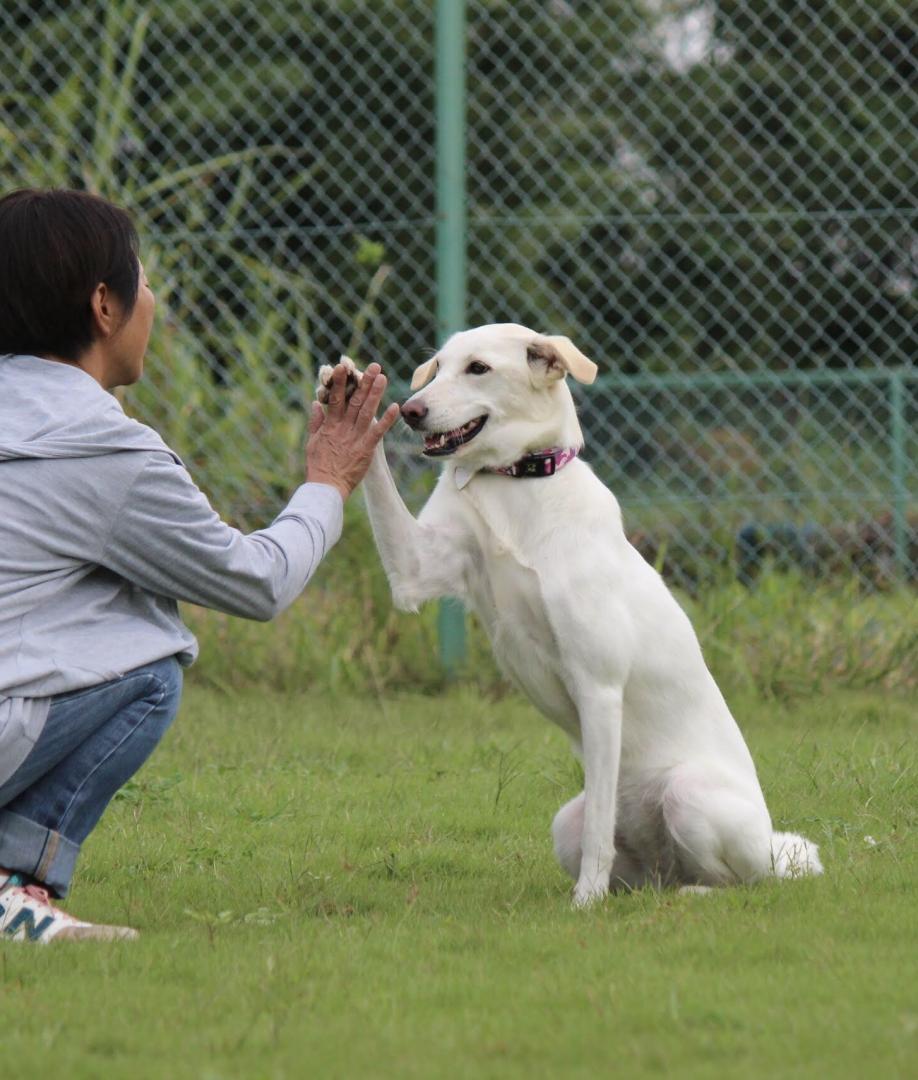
[(498, 392)]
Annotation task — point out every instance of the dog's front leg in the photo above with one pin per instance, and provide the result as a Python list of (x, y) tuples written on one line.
[(593, 664), (601, 735), (423, 560)]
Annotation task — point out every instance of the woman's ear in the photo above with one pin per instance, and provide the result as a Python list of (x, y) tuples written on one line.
[(551, 357), (106, 311)]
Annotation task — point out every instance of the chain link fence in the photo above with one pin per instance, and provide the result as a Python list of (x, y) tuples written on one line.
[(716, 200)]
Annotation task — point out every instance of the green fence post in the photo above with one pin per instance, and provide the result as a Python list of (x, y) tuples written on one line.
[(898, 463), (451, 238)]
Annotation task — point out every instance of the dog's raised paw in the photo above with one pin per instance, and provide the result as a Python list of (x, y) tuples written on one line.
[(323, 385)]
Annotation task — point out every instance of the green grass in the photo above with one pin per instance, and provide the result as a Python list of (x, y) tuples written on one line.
[(353, 886)]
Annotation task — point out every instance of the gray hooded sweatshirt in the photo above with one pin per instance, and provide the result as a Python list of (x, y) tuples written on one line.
[(102, 530)]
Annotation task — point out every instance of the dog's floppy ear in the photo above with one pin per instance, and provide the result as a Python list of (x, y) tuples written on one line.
[(553, 356), (423, 374)]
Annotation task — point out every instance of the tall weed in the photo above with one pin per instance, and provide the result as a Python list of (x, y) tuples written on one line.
[(788, 637)]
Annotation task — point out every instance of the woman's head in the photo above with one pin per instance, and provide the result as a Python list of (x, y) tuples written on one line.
[(69, 275)]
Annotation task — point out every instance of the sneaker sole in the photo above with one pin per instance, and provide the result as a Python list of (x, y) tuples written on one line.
[(95, 933)]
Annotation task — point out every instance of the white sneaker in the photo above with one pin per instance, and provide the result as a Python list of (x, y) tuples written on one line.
[(27, 914)]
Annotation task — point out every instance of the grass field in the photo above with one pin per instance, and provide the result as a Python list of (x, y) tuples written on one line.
[(333, 887)]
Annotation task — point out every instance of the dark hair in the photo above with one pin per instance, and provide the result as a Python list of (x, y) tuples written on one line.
[(56, 246)]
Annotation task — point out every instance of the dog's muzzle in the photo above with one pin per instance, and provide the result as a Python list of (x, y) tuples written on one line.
[(441, 443)]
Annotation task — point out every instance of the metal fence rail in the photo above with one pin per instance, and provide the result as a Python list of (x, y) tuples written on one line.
[(714, 198)]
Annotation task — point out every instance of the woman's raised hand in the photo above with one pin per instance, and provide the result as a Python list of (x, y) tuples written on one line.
[(343, 438)]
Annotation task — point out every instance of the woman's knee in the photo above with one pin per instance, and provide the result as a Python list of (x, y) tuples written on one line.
[(162, 688), (168, 674)]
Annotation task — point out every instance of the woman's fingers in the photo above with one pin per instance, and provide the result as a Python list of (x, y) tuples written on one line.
[(358, 413), (366, 383), (370, 403), (316, 417), (342, 440), (386, 421)]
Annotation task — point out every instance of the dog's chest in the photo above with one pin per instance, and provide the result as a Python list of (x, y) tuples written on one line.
[(506, 590), (503, 579), (506, 595)]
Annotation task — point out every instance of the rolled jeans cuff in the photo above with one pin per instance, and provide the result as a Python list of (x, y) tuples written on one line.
[(39, 852)]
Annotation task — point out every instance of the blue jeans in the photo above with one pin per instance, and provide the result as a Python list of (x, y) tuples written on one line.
[(93, 742)]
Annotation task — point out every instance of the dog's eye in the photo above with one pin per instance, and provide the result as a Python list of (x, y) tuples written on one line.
[(477, 368)]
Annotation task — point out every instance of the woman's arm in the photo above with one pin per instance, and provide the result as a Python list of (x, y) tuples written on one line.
[(168, 539)]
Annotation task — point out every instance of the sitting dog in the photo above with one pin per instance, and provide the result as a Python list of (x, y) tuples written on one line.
[(522, 531)]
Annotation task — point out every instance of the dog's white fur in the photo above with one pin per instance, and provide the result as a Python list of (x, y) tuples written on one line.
[(581, 623)]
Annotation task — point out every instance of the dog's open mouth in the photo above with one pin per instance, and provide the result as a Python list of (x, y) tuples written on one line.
[(446, 442)]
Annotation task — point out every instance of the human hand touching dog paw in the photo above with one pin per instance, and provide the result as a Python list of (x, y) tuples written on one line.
[(353, 379), (343, 429)]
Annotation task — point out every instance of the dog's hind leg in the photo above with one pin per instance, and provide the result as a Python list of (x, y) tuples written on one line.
[(722, 836), (566, 833)]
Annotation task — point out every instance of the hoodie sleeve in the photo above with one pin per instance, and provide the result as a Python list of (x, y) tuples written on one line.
[(168, 539)]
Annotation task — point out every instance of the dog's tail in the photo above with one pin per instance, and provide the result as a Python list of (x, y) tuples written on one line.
[(792, 856)]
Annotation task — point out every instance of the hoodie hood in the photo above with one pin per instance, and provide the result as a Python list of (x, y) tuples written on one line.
[(54, 410)]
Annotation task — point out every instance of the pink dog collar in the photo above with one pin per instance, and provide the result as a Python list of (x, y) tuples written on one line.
[(539, 463)]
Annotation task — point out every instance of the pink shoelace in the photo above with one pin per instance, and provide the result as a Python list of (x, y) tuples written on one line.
[(37, 893)]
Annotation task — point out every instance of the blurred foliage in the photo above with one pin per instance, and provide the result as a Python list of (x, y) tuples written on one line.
[(739, 208), (752, 209), (681, 185)]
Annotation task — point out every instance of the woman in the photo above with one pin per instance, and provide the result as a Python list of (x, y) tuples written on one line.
[(102, 531)]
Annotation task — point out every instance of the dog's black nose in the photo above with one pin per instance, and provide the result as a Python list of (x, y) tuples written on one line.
[(413, 413)]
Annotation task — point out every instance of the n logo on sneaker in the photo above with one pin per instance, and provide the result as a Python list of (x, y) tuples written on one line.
[(26, 919)]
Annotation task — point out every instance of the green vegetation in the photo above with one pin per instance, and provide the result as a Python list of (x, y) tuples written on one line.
[(748, 209), (333, 886)]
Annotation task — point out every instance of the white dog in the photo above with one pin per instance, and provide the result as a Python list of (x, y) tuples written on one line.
[(522, 531)]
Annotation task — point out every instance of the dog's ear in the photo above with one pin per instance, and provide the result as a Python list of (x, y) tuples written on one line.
[(423, 374), (552, 356)]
